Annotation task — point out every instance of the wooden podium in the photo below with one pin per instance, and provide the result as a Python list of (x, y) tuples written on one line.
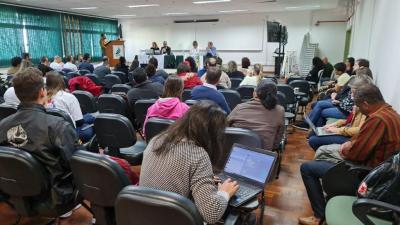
[(114, 50)]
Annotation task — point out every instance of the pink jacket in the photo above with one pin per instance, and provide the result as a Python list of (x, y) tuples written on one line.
[(167, 108)]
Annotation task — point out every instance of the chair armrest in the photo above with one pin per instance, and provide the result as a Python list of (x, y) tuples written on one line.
[(231, 219), (363, 206)]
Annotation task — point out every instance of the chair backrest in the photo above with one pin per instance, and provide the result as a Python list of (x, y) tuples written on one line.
[(130, 78), (120, 88), (191, 102), (101, 193), (7, 110), (60, 113), (240, 136), (187, 94), (271, 79), (232, 97), (65, 70), (289, 93), (114, 131), (71, 75), (246, 92), (111, 103), (235, 82), (141, 107), (94, 78), (110, 80), (146, 206), (282, 99), (290, 79), (155, 126), (86, 101), (303, 85), (122, 76), (83, 72)]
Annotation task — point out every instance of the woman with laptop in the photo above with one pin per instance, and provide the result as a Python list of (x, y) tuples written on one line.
[(180, 160)]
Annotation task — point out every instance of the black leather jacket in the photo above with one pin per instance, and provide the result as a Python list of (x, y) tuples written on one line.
[(50, 139)]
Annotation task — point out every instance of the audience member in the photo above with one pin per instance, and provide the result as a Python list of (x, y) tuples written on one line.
[(349, 65), (49, 139), (15, 65), (361, 64), (317, 66), (44, 65), (159, 72), (69, 64), (103, 69), (135, 64), (180, 160), (208, 91), (57, 63), (192, 64), (233, 71), (169, 106), (10, 97), (245, 65), (26, 60), (195, 51), (224, 81), (262, 114), (211, 50), (219, 63), (144, 88), (85, 64), (202, 71), (342, 76), (121, 66), (151, 74), (190, 80), (254, 76), (328, 69), (165, 49), (377, 140)]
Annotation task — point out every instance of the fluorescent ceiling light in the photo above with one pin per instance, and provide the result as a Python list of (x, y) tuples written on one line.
[(210, 1), (83, 8), (303, 7), (142, 6), (175, 13), (233, 11), (124, 15)]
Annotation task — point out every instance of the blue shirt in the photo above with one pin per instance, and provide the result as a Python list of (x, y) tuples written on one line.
[(207, 93), (201, 72), (157, 78), (86, 66), (212, 51)]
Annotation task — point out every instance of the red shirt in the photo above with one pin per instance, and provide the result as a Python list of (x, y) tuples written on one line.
[(190, 80)]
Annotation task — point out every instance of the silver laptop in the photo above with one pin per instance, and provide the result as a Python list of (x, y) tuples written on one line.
[(319, 131), (251, 168)]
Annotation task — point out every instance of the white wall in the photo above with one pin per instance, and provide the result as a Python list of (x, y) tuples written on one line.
[(376, 36), (139, 33)]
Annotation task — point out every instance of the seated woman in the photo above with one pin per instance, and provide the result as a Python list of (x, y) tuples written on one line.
[(317, 66), (60, 99), (192, 64), (262, 114), (253, 77), (169, 106), (190, 80), (121, 66), (245, 66), (232, 70), (180, 160), (344, 129)]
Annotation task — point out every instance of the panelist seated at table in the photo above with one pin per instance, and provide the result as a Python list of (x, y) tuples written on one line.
[(155, 48), (165, 49), (195, 50), (211, 50)]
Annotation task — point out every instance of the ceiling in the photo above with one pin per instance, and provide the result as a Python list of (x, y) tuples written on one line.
[(120, 9)]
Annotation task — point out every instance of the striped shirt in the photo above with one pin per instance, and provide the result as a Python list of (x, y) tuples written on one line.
[(379, 138)]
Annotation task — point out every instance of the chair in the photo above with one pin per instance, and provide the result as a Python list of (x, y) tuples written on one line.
[(146, 206), (71, 75), (7, 110), (121, 88), (235, 82), (100, 191), (141, 107), (86, 101), (290, 79), (26, 183), (66, 71), (232, 97), (187, 94), (122, 76), (111, 80), (111, 103), (304, 87), (94, 78), (271, 79), (155, 126), (115, 134), (60, 113), (291, 101), (130, 79), (246, 92), (65, 78), (220, 87), (191, 102), (83, 72)]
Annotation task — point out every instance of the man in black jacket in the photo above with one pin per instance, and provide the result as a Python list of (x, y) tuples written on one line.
[(50, 139)]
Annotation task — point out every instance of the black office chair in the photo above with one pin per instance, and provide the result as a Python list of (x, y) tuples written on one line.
[(122, 76), (86, 101), (246, 92), (60, 113), (141, 107), (155, 126), (83, 72), (7, 110), (191, 102), (291, 101), (93, 77), (130, 79), (290, 79), (99, 180), (116, 135), (65, 78), (235, 82), (187, 94), (120, 88), (271, 79), (139, 205), (26, 184), (66, 71), (110, 80), (232, 97), (71, 75), (304, 87), (111, 103), (62, 73)]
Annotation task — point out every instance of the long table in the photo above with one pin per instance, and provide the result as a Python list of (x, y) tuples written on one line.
[(168, 61)]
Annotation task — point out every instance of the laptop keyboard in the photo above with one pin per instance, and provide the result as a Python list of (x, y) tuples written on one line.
[(244, 192)]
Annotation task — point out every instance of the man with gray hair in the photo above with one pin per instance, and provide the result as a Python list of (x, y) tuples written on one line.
[(57, 64)]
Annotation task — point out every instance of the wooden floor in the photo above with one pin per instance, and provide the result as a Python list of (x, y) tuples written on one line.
[(286, 197)]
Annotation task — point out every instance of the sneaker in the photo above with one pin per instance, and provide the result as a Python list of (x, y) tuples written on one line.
[(302, 126), (312, 220)]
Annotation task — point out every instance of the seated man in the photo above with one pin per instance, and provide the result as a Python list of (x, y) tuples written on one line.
[(50, 139), (44, 65), (208, 91), (224, 81), (159, 72), (379, 138), (86, 65)]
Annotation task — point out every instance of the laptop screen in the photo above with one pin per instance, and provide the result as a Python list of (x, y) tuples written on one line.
[(250, 164)]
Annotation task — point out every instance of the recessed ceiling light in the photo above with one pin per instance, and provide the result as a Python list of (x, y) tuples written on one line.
[(83, 8), (175, 13), (141, 6), (234, 10), (124, 15), (305, 7), (210, 1)]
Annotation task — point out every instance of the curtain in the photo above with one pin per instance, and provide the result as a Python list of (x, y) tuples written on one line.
[(11, 37)]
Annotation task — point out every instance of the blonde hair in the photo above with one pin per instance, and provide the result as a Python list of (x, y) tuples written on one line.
[(257, 71)]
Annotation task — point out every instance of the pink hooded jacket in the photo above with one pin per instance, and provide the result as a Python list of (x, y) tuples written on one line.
[(167, 108)]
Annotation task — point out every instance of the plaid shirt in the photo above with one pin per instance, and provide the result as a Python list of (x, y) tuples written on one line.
[(379, 138)]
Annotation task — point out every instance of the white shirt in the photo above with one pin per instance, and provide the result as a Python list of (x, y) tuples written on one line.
[(195, 51), (250, 80), (56, 66), (68, 103), (210, 86), (10, 97), (70, 66)]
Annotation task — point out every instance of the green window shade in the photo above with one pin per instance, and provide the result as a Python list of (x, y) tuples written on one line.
[(11, 37)]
